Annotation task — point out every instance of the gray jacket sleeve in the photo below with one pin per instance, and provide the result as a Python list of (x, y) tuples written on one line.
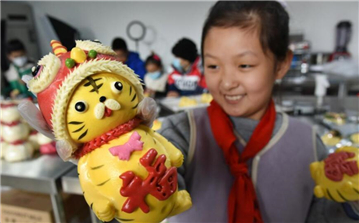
[(176, 129)]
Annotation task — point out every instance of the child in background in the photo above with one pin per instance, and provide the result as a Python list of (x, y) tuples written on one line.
[(244, 162), (131, 59), (187, 77), (19, 66), (155, 80)]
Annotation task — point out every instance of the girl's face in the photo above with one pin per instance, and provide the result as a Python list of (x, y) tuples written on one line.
[(151, 67), (239, 75)]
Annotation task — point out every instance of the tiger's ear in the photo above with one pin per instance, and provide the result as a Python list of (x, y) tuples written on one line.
[(33, 116), (147, 111), (64, 150)]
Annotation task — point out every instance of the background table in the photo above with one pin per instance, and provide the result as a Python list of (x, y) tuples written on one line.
[(71, 185), (41, 174)]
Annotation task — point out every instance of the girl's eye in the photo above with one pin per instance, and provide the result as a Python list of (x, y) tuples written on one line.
[(212, 66), (245, 66), (117, 87), (81, 106)]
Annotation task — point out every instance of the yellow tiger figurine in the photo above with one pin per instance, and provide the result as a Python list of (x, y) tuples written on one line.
[(337, 177), (91, 101)]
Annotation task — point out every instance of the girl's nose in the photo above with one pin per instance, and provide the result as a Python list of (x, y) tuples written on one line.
[(229, 81)]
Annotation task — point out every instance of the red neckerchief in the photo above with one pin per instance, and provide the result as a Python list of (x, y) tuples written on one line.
[(106, 137), (242, 202)]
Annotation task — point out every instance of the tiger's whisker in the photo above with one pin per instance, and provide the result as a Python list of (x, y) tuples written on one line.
[(83, 135), (134, 97), (135, 106), (77, 130), (75, 123)]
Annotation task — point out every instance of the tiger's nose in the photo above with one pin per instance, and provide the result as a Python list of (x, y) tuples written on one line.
[(102, 98)]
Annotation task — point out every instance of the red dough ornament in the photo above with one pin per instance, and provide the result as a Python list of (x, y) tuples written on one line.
[(336, 165), (160, 183), (337, 177)]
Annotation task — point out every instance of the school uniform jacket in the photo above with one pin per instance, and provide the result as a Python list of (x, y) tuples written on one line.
[(280, 171)]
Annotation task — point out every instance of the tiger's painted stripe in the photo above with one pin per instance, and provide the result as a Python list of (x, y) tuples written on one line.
[(79, 129), (103, 183)]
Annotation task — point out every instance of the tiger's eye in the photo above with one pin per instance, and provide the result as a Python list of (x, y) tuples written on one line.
[(81, 106), (96, 41), (117, 87), (36, 70)]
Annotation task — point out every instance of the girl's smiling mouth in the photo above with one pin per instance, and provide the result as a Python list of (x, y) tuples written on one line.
[(233, 99)]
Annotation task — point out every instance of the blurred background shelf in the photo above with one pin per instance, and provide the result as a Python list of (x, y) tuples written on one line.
[(40, 174)]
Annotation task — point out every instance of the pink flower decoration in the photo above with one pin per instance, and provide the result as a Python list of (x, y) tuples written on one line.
[(124, 151)]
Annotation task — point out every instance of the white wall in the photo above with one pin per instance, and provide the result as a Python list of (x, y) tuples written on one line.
[(174, 20), (318, 20), (106, 20)]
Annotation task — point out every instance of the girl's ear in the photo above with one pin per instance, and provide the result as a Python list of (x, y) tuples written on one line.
[(284, 65)]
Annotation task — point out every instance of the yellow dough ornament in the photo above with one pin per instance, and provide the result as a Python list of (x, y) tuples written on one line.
[(157, 125), (336, 118), (186, 101), (206, 98), (92, 103), (355, 138), (337, 177), (331, 138)]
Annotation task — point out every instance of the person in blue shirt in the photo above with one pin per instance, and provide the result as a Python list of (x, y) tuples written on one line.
[(131, 59)]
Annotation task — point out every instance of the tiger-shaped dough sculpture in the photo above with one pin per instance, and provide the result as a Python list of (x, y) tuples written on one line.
[(91, 101), (337, 177)]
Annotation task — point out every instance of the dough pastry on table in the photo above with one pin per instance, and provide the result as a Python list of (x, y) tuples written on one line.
[(15, 144), (186, 102), (331, 138), (336, 118), (206, 98)]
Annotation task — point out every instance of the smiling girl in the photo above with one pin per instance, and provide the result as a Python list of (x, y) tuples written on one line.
[(244, 162)]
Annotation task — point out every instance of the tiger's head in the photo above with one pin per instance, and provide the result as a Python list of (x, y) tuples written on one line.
[(98, 104)]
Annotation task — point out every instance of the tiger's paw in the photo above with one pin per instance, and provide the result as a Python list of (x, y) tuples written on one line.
[(183, 203), (177, 159), (104, 210)]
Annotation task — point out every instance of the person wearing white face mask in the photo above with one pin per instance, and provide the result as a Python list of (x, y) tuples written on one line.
[(187, 77), (19, 66), (155, 80)]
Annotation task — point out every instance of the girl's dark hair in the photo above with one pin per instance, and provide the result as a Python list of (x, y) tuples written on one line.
[(269, 18), (154, 59)]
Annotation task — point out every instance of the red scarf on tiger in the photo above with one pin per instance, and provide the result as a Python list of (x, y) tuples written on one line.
[(242, 201)]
